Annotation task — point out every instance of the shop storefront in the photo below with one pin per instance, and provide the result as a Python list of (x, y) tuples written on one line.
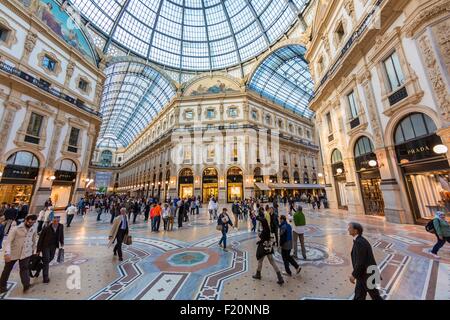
[(235, 187), (337, 166), (186, 183), (369, 177), (425, 169), (18, 179), (63, 187), (210, 184)]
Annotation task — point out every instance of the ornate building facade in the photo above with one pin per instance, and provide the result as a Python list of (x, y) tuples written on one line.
[(381, 73), (217, 138), (50, 91)]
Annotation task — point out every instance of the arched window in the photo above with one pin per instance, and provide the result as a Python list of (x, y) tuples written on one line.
[(23, 159), (363, 146), (285, 176), (234, 171), (414, 126), (67, 165), (186, 173), (257, 175), (296, 177), (336, 156), (106, 158)]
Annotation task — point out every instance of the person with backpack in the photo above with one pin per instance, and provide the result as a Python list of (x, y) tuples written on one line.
[(286, 246), (442, 231), (222, 224)]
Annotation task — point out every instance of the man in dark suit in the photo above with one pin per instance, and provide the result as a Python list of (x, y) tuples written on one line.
[(51, 238), (364, 265)]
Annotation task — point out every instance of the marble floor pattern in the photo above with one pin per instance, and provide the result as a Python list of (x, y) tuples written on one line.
[(188, 264)]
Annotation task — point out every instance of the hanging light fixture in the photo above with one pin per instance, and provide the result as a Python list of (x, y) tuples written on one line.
[(339, 171)]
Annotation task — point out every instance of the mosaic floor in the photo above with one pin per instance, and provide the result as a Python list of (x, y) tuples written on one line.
[(188, 264)]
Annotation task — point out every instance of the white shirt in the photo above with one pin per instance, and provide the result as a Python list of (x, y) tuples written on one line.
[(71, 210)]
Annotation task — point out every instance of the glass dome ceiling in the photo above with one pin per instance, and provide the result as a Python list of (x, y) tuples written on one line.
[(284, 78), (197, 35), (133, 95)]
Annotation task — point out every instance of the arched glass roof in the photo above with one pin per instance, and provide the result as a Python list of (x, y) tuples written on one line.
[(198, 35), (133, 95), (284, 78)]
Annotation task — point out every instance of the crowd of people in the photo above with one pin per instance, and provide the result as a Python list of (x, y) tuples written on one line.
[(278, 231)]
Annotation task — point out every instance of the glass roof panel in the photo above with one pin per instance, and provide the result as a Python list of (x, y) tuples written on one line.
[(284, 78), (133, 95), (197, 35)]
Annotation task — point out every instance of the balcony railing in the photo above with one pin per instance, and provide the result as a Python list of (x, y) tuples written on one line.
[(44, 86)]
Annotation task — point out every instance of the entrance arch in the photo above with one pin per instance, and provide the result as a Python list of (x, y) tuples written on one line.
[(19, 177), (235, 184), (210, 184), (369, 176), (186, 183), (337, 166), (425, 172)]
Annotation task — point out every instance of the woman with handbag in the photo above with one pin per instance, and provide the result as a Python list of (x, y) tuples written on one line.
[(222, 225), (265, 249), (120, 233)]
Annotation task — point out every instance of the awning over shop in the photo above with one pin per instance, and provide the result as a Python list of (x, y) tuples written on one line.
[(296, 186), (262, 186)]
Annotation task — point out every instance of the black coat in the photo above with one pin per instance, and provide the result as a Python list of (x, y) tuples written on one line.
[(11, 214), (362, 257), (49, 238)]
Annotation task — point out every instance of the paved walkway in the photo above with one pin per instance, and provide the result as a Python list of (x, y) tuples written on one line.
[(188, 264)]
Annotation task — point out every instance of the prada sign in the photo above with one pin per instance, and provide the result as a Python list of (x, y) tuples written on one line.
[(419, 149), (20, 172), (65, 175)]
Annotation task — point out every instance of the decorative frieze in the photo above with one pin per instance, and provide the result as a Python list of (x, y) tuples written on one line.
[(437, 81), (364, 80), (30, 43)]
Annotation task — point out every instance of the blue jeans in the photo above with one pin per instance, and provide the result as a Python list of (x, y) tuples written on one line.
[(440, 243), (2, 234), (223, 239), (253, 225), (155, 223)]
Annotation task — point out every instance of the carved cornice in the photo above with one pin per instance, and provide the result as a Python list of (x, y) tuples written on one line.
[(440, 9)]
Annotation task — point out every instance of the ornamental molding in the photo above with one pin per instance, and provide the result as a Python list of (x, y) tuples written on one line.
[(442, 8), (52, 56), (438, 83), (11, 38)]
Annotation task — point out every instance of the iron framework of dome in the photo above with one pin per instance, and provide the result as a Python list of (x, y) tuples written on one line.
[(195, 35), (284, 78), (134, 93)]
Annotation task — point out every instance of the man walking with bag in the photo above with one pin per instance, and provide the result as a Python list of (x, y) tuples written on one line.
[(20, 245), (119, 232), (50, 239)]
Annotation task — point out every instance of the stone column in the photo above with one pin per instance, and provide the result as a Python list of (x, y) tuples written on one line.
[(330, 188), (355, 202), (396, 204), (6, 123), (444, 133)]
